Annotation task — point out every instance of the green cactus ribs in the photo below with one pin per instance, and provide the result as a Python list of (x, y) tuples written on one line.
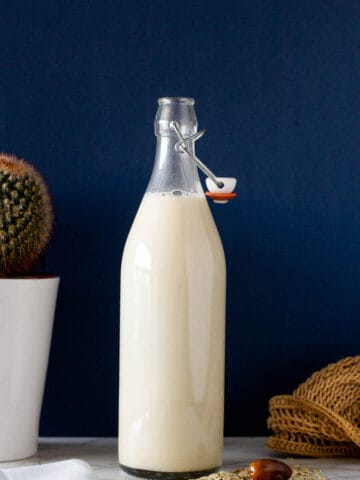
[(25, 216)]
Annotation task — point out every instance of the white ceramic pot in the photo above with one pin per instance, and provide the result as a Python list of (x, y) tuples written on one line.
[(27, 307)]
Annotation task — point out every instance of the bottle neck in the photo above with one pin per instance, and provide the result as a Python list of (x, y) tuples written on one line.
[(174, 171)]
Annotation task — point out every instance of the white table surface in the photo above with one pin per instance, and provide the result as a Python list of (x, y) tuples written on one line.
[(101, 454)]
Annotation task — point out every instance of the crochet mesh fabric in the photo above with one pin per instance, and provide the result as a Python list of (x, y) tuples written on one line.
[(322, 416)]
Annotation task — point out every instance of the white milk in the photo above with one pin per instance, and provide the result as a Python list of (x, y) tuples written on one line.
[(172, 337)]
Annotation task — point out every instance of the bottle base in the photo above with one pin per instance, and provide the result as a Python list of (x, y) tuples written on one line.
[(137, 472)]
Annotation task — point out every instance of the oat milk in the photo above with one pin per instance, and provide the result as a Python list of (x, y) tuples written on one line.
[(172, 337)]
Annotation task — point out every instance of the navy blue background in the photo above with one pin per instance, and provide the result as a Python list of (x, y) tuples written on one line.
[(277, 87)]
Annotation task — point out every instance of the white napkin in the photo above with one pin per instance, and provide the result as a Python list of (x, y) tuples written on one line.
[(66, 470)]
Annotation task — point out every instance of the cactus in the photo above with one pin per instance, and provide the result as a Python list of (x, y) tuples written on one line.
[(25, 216)]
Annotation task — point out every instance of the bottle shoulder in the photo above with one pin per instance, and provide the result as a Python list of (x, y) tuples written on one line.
[(168, 224)]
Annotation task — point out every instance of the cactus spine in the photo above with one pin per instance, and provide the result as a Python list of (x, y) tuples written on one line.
[(25, 216)]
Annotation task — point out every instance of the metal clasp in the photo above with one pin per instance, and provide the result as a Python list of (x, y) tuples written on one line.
[(182, 147)]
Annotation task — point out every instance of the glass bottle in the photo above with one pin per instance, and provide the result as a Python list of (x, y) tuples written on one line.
[(172, 317)]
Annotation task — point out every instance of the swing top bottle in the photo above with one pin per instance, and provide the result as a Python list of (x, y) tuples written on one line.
[(172, 317)]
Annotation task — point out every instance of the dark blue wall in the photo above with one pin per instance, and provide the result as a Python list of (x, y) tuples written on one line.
[(277, 86)]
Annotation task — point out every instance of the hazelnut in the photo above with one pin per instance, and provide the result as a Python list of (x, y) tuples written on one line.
[(268, 469)]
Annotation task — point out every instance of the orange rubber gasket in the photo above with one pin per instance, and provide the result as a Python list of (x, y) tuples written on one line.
[(220, 196)]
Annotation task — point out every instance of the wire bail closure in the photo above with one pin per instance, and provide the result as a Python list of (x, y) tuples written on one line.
[(228, 184), (181, 145)]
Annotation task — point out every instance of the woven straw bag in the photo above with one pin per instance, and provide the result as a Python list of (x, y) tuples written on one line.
[(322, 417)]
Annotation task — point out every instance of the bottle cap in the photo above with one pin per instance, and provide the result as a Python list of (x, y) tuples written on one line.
[(221, 194)]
